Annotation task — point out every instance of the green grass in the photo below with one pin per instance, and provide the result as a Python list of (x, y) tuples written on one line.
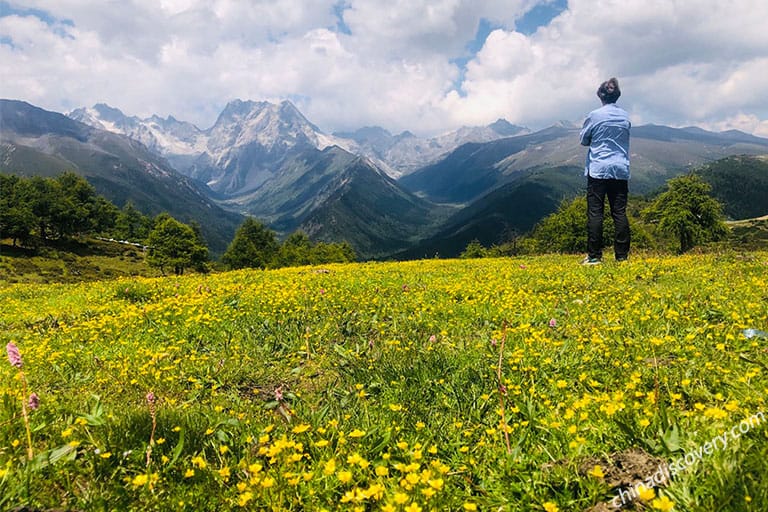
[(749, 233), (71, 262), (369, 386)]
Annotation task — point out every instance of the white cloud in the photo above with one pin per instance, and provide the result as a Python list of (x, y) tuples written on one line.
[(745, 122), (680, 62)]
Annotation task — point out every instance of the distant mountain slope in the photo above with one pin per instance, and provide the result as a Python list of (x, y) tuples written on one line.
[(658, 153), (740, 183), (372, 212), (474, 169), (508, 211), (249, 142), (249, 137), (235, 155), (405, 153), (34, 141), (270, 162), (334, 195), (178, 141)]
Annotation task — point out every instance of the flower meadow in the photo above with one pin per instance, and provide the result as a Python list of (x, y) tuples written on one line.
[(495, 384)]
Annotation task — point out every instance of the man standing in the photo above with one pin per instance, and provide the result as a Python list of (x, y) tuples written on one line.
[(606, 132)]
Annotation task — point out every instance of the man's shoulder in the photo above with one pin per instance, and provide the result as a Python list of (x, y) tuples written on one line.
[(608, 111), (617, 109)]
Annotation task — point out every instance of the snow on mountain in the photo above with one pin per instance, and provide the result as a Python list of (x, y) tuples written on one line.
[(271, 126), (167, 137), (405, 153), (249, 136)]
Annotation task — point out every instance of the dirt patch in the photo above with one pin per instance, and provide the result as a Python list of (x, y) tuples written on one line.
[(622, 471)]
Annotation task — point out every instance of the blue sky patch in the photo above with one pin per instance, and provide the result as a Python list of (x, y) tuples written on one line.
[(540, 16), (338, 10), (484, 28), (7, 9)]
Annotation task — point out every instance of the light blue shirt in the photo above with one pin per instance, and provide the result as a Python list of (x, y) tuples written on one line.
[(606, 132)]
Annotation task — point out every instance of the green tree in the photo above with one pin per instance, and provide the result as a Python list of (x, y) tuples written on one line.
[(339, 252), (254, 246), (474, 249), (173, 245), (42, 197), (688, 212), (16, 217), (295, 250), (566, 229), (75, 210), (131, 224), (200, 258)]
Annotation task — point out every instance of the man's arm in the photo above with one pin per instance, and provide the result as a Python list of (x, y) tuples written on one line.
[(586, 132)]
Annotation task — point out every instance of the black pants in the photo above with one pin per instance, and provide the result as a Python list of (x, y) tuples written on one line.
[(617, 191)]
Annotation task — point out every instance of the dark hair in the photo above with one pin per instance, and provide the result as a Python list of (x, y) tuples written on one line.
[(609, 91)]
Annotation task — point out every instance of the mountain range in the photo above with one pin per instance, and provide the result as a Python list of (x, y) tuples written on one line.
[(264, 132), (267, 160), (37, 142), (507, 185), (386, 194)]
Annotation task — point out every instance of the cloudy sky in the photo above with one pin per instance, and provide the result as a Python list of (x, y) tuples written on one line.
[(423, 65)]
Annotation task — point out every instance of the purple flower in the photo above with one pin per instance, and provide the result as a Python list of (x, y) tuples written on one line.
[(432, 338), (34, 402), (150, 398), (13, 354), (279, 393), (552, 322)]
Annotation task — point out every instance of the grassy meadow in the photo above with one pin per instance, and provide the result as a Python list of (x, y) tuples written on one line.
[(496, 384), (71, 261)]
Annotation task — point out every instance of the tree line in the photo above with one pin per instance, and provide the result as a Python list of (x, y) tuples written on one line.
[(37, 211), (682, 216)]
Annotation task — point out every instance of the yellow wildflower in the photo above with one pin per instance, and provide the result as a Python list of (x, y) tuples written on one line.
[(139, 480), (663, 503), (329, 467), (596, 472), (244, 498), (645, 493)]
